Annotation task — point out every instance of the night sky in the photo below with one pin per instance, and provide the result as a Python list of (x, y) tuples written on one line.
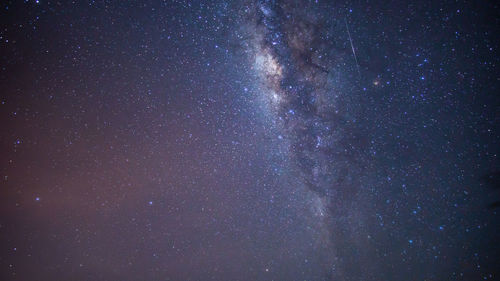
[(249, 140)]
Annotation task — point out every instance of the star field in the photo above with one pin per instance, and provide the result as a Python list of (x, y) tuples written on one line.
[(249, 140)]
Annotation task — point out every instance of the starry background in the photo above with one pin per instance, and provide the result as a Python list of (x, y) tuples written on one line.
[(249, 140)]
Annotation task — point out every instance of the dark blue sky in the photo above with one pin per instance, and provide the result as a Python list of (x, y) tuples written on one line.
[(249, 140)]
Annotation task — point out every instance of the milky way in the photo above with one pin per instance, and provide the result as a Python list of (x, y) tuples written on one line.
[(293, 56)]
